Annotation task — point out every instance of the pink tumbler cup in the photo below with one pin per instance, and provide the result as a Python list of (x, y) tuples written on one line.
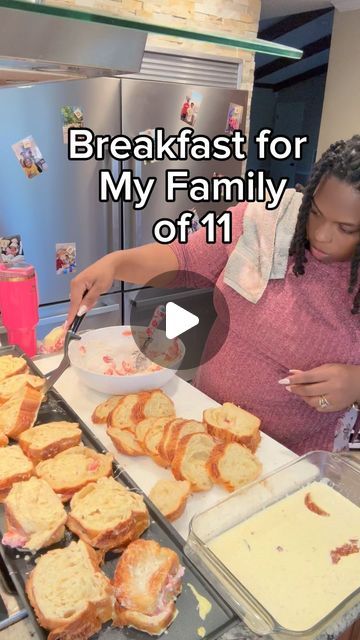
[(19, 303)]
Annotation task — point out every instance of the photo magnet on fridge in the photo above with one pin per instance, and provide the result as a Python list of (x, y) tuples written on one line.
[(65, 257), (71, 117), (190, 108), (11, 249), (234, 117), (30, 157)]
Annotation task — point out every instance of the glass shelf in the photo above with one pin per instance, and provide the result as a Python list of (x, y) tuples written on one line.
[(91, 15)]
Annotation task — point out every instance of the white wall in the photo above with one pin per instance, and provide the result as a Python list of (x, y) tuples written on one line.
[(341, 110)]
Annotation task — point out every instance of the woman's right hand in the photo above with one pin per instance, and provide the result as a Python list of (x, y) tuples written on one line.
[(140, 265), (96, 279)]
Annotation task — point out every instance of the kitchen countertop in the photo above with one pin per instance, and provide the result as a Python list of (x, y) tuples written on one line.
[(189, 402)]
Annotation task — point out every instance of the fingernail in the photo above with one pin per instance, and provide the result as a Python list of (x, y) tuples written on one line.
[(288, 389), (284, 381), (83, 309)]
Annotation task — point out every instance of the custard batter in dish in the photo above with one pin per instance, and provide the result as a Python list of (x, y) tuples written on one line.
[(300, 557)]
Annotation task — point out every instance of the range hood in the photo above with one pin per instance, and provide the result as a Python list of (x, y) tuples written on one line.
[(43, 47), (42, 42)]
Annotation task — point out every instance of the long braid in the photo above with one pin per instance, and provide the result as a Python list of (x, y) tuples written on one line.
[(341, 160), (354, 276)]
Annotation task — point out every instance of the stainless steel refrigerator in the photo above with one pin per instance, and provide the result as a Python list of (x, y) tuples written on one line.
[(62, 204)]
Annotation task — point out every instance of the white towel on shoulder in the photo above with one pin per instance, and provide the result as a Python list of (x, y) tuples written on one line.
[(261, 253)]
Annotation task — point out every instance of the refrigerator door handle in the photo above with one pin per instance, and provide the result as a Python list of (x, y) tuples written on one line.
[(149, 302), (138, 164), (132, 225), (112, 209)]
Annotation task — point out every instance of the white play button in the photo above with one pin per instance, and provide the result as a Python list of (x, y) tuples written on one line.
[(178, 320)]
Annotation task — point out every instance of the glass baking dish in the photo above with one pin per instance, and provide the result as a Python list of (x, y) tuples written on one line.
[(336, 470)]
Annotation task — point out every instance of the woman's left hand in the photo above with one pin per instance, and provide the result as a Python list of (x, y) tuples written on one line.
[(331, 387)]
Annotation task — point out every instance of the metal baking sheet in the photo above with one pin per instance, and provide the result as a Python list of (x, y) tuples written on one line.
[(186, 625)]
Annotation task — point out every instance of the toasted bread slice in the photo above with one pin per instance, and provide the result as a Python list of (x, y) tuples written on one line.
[(230, 423), (54, 340), (11, 366), (147, 577), (154, 625), (169, 426), (47, 440), (170, 497), (125, 441), (73, 469), (71, 597), (135, 407), (232, 465), (20, 412), (34, 515), (10, 386), (181, 430), (102, 411), (141, 429), (145, 425), (158, 405), (107, 516), (152, 439), (14, 466), (4, 440), (191, 458), (122, 415)]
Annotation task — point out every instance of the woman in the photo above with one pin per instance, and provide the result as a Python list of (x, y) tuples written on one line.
[(305, 329)]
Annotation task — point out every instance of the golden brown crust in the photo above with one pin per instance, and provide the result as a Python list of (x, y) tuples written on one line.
[(36, 454), (153, 625), (152, 441), (174, 515), (166, 435), (230, 423), (219, 453), (5, 492), (107, 515), (180, 455), (12, 366), (128, 411), (179, 431), (102, 411), (125, 441), (12, 524), (250, 441), (84, 627), (135, 407), (142, 429), (6, 481), (115, 539), (142, 592), (179, 498), (19, 413), (158, 405), (4, 440), (137, 413), (102, 467), (13, 384), (77, 627)]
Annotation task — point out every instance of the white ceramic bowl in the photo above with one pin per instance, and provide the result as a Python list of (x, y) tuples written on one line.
[(119, 343)]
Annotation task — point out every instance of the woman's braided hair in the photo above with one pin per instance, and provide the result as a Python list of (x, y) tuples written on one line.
[(341, 160)]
